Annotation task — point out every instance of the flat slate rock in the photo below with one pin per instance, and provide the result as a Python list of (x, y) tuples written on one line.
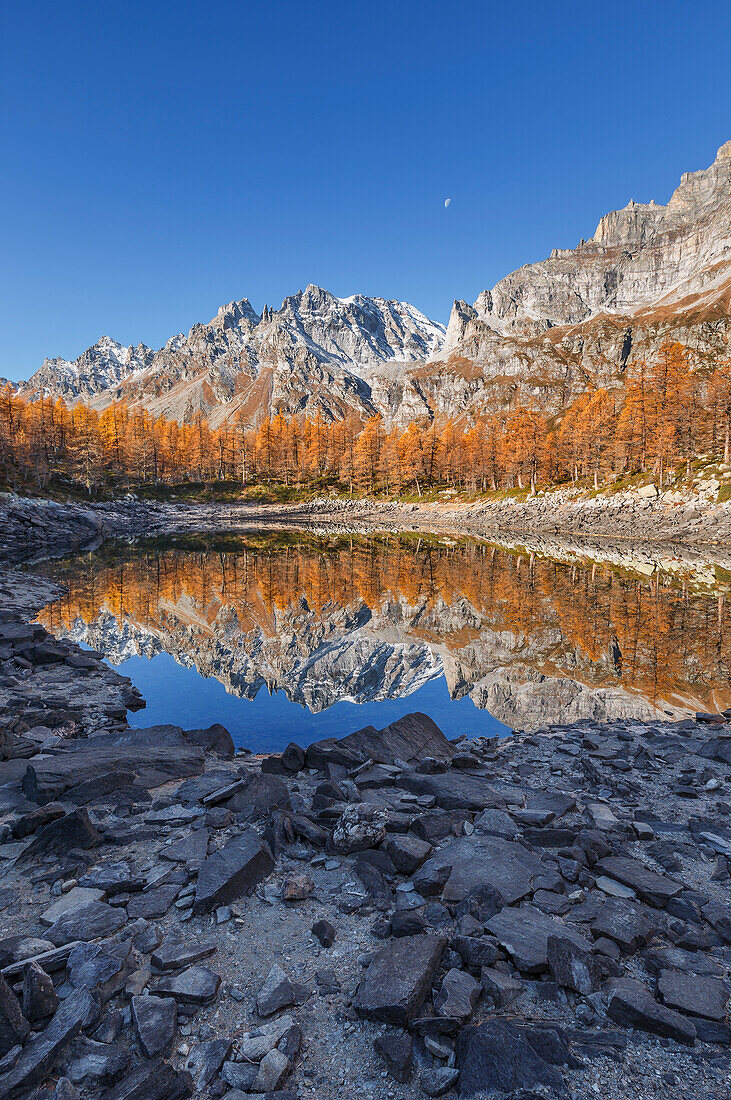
[(196, 985), (628, 923), (631, 1005), (190, 848), (78, 895), (173, 955), (118, 877), (525, 932), (154, 903), (232, 871), (91, 921), (156, 756), (655, 889), (154, 1020), (455, 790), (473, 861), (398, 979), (497, 1060), (694, 994)]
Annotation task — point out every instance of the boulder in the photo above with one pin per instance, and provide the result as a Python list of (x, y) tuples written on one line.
[(91, 921), (74, 830), (155, 1020), (152, 1080), (206, 1059), (631, 1005), (655, 889), (398, 979), (627, 923), (91, 1063), (572, 967), (215, 738), (40, 999), (525, 932), (496, 1059), (14, 1027), (323, 931), (276, 993), (192, 848), (407, 853), (260, 794), (693, 994), (41, 1053), (78, 895), (273, 1071), (458, 995), (359, 827), (156, 755), (195, 986), (471, 862), (411, 738), (396, 1052), (174, 955), (232, 871)]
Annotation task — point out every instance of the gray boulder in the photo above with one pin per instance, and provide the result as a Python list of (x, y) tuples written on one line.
[(398, 979)]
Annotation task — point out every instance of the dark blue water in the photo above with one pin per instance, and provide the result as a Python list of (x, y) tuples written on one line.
[(182, 697)]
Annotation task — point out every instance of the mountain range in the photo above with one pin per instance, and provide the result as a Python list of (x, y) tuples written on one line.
[(544, 333)]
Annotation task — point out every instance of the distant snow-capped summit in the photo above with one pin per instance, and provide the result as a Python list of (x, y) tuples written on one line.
[(313, 354)]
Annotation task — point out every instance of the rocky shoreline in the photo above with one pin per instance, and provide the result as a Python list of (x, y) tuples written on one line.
[(391, 915)]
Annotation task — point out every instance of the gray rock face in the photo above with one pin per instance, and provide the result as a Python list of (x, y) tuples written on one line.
[(398, 979), (637, 255), (232, 871)]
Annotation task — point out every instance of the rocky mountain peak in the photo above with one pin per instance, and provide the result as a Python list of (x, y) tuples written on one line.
[(638, 255), (311, 355)]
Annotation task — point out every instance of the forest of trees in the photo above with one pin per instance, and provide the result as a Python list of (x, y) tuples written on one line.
[(662, 414)]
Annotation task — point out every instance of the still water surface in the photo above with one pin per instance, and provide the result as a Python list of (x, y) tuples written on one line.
[(283, 635)]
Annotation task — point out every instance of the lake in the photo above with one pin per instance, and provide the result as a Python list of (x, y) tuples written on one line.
[(285, 635)]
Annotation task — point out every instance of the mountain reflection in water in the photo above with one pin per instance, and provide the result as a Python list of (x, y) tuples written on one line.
[(349, 630)]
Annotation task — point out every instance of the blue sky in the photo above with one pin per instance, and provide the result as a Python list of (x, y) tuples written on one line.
[(160, 159)]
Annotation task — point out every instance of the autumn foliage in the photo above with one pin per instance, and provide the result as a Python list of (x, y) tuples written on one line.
[(664, 413)]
